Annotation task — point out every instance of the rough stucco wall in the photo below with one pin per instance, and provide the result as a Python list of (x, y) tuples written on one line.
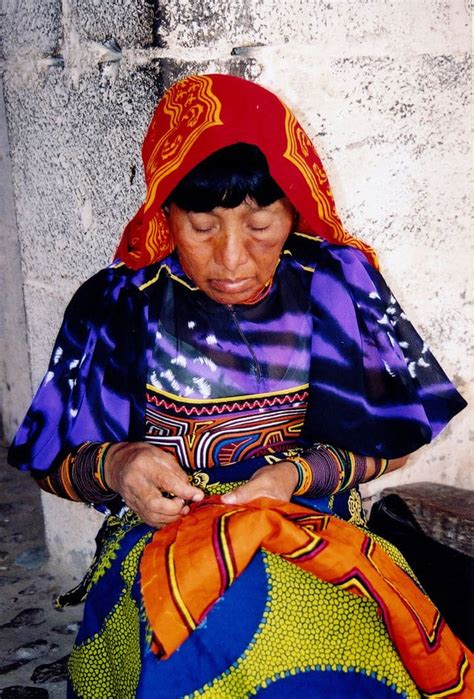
[(14, 360), (382, 87)]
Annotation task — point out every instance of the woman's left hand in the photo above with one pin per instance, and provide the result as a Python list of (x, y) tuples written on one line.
[(277, 481)]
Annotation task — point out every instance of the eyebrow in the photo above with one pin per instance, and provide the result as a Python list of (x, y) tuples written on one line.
[(253, 208)]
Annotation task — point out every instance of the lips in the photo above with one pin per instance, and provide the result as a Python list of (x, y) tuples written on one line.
[(231, 286)]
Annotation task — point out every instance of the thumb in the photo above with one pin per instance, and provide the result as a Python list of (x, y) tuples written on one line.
[(241, 494)]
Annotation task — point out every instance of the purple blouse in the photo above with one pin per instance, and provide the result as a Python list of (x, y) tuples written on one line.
[(329, 323)]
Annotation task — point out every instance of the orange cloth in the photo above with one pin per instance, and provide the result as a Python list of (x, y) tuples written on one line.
[(204, 113), (219, 540)]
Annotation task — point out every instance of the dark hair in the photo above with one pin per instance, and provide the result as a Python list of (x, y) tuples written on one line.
[(226, 178)]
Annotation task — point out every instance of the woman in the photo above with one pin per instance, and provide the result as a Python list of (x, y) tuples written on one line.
[(231, 361)]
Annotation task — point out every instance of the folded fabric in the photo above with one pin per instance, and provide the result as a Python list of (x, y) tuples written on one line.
[(189, 564)]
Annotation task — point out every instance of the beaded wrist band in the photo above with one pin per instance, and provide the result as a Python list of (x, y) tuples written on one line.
[(326, 470), (381, 466), (80, 475), (87, 473), (305, 475)]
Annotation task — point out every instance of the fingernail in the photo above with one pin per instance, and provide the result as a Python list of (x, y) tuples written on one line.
[(229, 499), (198, 497)]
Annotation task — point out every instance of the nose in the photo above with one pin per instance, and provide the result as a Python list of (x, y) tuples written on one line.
[(230, 251)]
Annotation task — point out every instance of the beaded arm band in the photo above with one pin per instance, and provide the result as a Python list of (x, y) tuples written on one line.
[(80, 476), (326, 470)]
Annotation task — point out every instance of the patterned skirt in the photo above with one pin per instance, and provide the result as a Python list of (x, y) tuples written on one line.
[(277, 631)]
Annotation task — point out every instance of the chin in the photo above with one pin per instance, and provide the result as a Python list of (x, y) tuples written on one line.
[(232, 296), (230, 299), (226, 299)]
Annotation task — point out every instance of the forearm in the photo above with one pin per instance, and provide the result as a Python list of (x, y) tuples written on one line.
[(327, 470), (392, 465), (80, 476)]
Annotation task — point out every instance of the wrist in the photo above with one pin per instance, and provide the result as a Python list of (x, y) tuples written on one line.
[(109, 465), (289, 472), (81, 474), (326, 470)]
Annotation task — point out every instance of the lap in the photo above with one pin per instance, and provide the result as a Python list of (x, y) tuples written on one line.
[(277, 631)]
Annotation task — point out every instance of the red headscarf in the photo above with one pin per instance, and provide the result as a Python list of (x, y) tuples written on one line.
[(204, 113)]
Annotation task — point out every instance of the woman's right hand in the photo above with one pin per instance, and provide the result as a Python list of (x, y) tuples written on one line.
[(141, 473)]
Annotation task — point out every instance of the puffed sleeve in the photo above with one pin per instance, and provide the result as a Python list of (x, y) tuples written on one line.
[(375, 387), (88, 392)]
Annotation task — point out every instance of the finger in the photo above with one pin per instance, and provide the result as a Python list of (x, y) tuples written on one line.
[(179, 485), (159, 521), (184, 491), (153, 516), (174, 480), (156, 511), (184, 507), (166, 506)]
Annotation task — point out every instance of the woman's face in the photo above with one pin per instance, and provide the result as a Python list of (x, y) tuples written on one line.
[(231, 253)]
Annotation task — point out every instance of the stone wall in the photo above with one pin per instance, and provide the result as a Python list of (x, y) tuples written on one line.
[(382, 87)]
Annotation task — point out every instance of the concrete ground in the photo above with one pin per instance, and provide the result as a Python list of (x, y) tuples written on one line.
[(35, 639)]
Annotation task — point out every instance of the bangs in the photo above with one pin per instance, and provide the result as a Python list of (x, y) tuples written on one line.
[(226, 178)]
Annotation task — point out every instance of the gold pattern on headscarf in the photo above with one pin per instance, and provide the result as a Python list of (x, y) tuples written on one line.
[(300, 151), (192, 107)]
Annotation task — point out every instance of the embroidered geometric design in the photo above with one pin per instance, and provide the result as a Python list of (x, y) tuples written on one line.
[(201, 434)]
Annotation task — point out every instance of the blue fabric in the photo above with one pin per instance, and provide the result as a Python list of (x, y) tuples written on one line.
[(329, 685), (201, 664)]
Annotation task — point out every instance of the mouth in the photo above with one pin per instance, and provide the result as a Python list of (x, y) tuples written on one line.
[(230, 286)]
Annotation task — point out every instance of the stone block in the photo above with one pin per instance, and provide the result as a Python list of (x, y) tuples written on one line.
[(324, 27), (15, 382), (77, 166), (31, 28), (171, 70), (70, 529), (130, 22)]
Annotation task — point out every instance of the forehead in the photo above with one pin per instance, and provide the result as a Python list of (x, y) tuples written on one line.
[(247, 207)]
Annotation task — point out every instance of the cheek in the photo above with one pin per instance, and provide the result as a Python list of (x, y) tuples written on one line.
[(265, 258), (195, 259), (271, 249)]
